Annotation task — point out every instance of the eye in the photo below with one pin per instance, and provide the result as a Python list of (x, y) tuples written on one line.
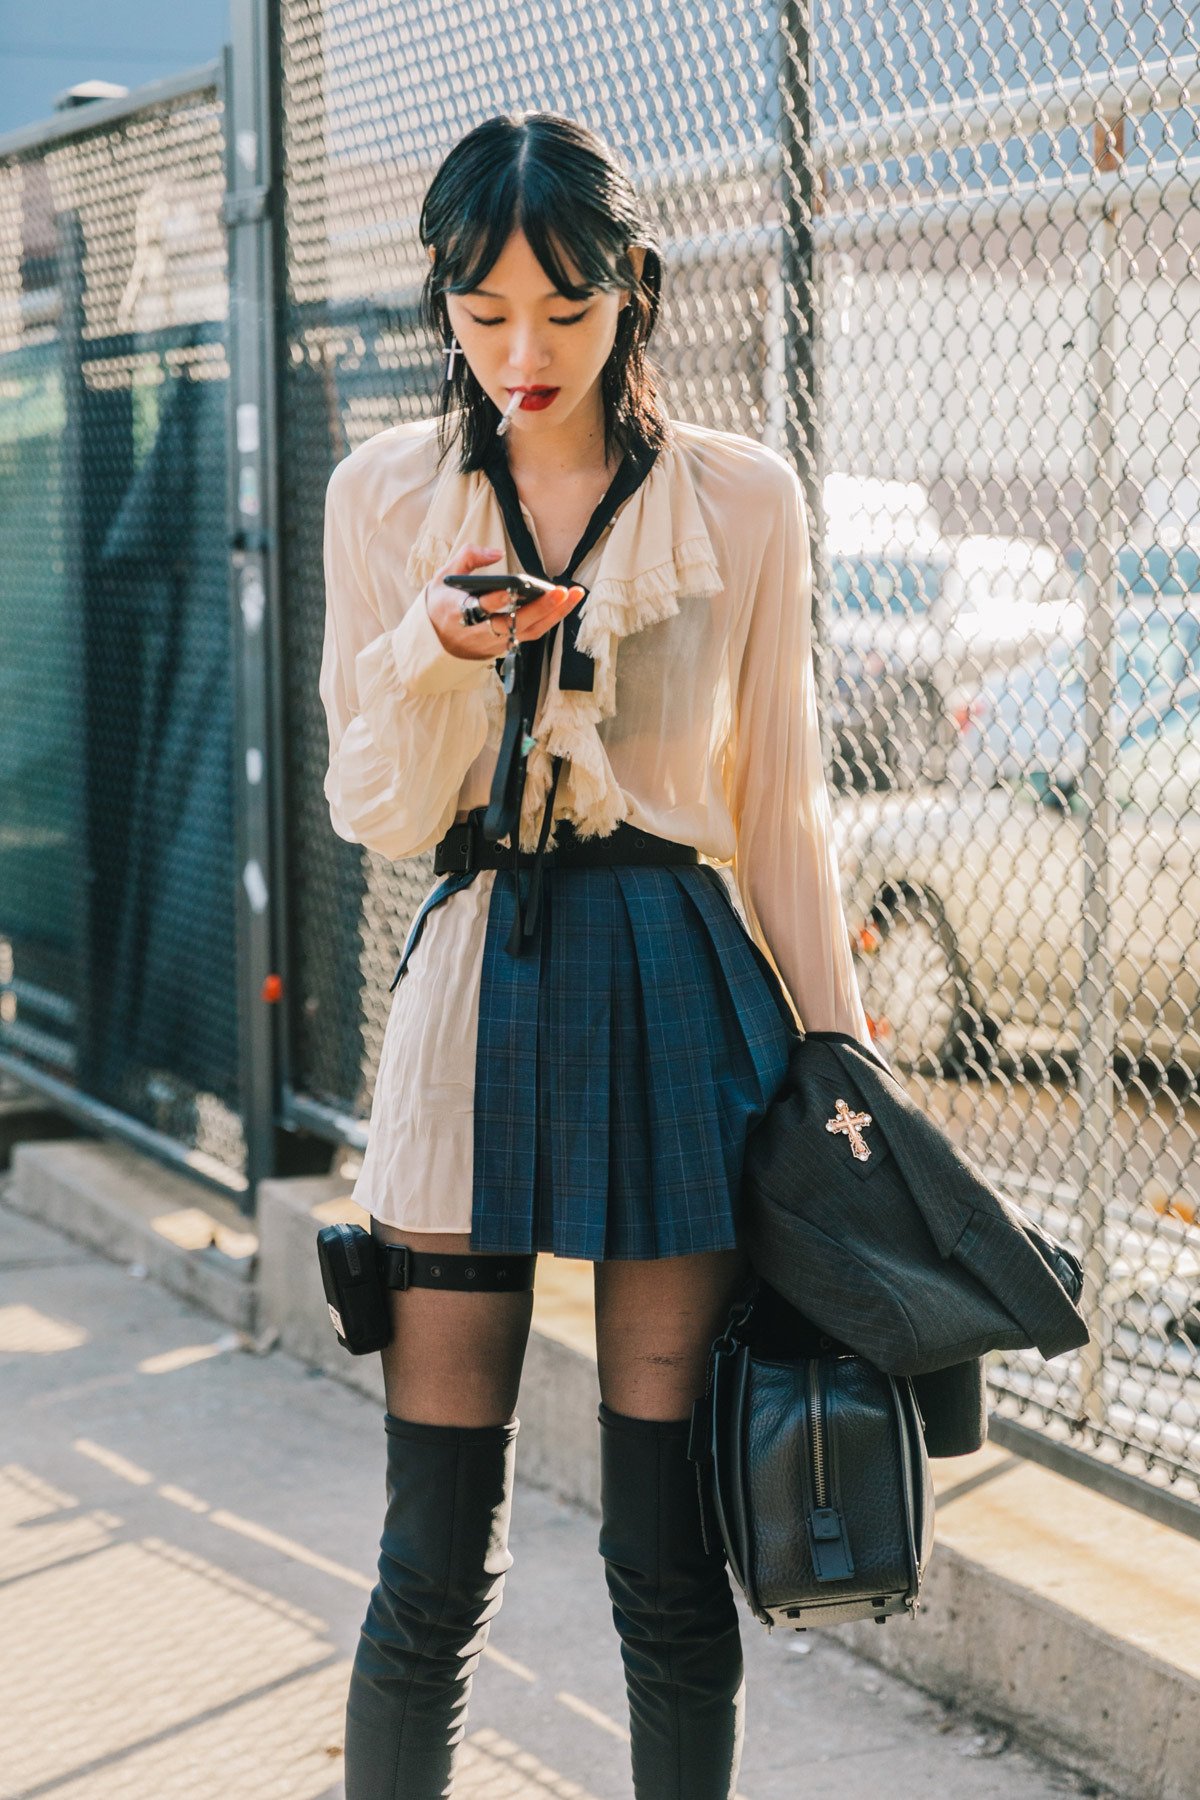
[(574, 320)]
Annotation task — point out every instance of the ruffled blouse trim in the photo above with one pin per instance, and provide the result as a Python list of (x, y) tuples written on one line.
[(656, 553)]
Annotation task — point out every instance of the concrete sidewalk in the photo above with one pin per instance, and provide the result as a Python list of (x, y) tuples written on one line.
[(188, 1535)]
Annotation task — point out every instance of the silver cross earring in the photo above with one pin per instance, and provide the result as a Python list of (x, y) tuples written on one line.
[(451, 350)]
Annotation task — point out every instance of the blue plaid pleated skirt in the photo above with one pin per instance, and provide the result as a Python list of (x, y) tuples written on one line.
[(620, 1064)]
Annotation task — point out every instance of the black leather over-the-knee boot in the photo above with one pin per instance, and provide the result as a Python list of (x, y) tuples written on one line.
[(442, 1561), (675, 1613)]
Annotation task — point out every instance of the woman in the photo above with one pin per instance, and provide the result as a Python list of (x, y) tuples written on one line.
[(579, 1044)]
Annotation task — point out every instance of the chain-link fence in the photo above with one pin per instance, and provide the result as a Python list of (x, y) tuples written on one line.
[(117, 978), (946, 259), (1008, 423)]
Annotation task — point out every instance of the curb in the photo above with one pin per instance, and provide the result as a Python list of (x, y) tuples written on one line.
[(120, 1202), (24, 1118)]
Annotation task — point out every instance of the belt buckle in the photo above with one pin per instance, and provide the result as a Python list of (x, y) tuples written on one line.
[(459, 857), (396, 1260)]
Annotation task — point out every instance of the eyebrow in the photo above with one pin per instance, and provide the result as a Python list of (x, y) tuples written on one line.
[(554, 294)]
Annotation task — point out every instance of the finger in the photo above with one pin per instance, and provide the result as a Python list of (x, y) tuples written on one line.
[(473, 556), (552, 605), (501, 600), (498, 604), (535, 616)]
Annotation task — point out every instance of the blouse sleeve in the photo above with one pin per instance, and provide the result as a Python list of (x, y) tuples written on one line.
[(785, 864), (406, 717)]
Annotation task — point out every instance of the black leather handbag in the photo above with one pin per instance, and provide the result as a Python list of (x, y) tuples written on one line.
[(812, 1469)]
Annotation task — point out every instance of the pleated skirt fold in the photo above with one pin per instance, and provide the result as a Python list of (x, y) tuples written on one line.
[(621, 1065)]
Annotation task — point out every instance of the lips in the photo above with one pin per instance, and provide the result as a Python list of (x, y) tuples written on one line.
[(534, 399)]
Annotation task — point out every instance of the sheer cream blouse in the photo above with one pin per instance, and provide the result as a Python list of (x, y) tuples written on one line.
[(701, 727)]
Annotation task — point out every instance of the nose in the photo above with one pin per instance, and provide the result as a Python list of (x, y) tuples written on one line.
[(527, 357)]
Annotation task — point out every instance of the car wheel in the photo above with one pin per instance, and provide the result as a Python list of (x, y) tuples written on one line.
[(915, 989)]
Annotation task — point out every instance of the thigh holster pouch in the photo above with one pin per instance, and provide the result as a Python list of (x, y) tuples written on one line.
[(358, 1267)]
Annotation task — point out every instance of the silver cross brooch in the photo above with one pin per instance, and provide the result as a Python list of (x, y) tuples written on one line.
[(850, 1123)]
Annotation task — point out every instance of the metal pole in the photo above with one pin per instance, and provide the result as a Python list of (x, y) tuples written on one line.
[(96, 1116), (291, 1156), (69, 280), (797, 181), (253, 537), (801, 303), (1097, 1012)]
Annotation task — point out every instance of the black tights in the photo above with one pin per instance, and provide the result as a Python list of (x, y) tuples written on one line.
[(455, 1359)]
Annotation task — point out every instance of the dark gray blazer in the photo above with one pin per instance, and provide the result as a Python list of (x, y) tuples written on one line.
[(903, 1251)]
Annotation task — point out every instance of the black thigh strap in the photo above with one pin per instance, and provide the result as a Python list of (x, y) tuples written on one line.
[(402, 1267)]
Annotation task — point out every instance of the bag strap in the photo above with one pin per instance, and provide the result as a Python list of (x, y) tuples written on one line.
[(909, 1428), (403, 1267)]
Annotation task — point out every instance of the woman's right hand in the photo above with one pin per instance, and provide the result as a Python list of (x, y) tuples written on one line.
[(487, 641)]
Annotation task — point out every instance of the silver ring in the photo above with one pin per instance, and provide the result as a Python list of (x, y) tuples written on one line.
[(472, 612)]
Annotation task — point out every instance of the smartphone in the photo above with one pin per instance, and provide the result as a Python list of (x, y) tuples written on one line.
[(523, 588)]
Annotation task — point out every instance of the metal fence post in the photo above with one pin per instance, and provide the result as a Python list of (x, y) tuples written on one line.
[(1097, 1008), (803, 314), (69, 248), (254, 581)]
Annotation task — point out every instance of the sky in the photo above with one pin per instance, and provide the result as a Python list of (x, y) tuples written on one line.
[(50, 46)]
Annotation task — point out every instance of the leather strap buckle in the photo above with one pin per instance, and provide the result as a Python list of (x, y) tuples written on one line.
[(455, 853), (397, 1265)]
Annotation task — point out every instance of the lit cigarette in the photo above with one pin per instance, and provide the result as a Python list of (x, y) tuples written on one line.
[(509, 410)]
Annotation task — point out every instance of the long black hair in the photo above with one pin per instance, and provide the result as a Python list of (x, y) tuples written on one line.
[(560, 184)]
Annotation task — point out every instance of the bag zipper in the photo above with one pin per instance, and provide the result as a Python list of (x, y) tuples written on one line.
[(816, 1421), (832, 1560)]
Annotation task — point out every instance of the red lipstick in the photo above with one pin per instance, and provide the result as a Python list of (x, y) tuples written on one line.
[(534, 399)]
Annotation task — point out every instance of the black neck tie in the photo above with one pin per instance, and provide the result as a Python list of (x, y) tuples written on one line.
[(576, 669)]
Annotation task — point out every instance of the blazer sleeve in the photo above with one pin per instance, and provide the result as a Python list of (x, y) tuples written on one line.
[(406, 718), (785, 863)]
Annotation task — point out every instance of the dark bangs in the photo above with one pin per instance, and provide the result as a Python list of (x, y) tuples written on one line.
[(556, 181)]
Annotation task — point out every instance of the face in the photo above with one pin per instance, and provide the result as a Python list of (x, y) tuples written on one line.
[(521, 333)]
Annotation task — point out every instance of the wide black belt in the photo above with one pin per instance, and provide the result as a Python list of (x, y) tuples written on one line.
[(464, 848)]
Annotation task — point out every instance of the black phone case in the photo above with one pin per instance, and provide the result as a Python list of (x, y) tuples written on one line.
[(523, 588), (354, 1291)]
